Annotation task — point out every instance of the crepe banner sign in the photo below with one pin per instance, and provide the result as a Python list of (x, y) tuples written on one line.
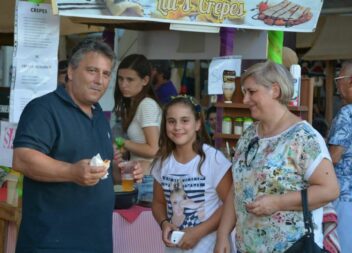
[(276, 15)]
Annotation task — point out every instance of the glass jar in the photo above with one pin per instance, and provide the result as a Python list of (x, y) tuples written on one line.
[(228, 90), (229, 76), (226, 125), (247, 122), (238, 126)]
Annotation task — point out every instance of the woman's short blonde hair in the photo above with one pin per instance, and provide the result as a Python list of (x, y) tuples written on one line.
[(269, 73)]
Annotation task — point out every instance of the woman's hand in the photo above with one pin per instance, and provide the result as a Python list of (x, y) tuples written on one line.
[(222, 245), (263, 205), (118, 154)]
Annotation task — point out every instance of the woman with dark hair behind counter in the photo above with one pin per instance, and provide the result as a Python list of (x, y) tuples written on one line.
[(137, 107)]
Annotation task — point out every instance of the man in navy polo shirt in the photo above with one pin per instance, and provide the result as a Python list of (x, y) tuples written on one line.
[(67, 207)]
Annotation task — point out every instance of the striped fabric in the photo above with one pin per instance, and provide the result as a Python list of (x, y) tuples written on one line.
[(331, 242), (141, 236), (10, 244)]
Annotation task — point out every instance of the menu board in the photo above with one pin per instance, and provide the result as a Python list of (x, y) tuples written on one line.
[(34, 71)]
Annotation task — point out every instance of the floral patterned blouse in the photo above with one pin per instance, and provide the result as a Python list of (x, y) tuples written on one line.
[(274, 165)]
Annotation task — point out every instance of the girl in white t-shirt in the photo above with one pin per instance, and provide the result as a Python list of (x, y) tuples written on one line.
[(191, 178)]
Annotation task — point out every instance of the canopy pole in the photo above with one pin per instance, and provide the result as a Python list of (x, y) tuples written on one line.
[(227, 37), (276, 41)]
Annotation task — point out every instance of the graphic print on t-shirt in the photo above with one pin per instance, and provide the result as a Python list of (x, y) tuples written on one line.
[(185, 199)]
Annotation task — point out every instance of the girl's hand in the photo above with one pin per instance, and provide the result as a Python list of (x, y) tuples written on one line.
[(118, 154), (222, 245), (167, 229), (190, 238), (263, 205)]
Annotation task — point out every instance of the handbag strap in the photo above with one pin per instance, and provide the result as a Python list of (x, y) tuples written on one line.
[(307, 216)]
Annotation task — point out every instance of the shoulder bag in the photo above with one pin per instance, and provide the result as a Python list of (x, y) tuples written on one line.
[(306, 243)]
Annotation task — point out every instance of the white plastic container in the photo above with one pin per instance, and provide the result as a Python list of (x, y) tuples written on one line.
[(226, 125), (247, 122), (238, 126), (12, 197), (295, 70)]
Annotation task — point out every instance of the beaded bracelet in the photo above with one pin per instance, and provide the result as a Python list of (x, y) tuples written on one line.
[(162, 222)]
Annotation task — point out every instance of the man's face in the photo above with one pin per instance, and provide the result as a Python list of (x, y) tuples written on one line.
[(344, 86), (154, 76), (89, 81), (212, 120)]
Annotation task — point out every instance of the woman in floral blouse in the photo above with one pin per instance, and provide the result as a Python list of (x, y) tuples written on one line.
[(276, 157)]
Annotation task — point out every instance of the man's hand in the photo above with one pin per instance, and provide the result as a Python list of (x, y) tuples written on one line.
[(138, 171), (86, 175)]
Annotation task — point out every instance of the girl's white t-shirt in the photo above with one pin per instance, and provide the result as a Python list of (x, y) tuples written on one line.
[(192, 197), (148, 114)]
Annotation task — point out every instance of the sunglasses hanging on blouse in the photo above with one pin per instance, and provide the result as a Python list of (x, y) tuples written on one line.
[(251, 151)]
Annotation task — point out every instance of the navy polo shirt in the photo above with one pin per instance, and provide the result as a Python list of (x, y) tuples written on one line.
[(65, 217)]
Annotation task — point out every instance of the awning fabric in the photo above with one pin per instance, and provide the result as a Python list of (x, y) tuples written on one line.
[(333, 41)]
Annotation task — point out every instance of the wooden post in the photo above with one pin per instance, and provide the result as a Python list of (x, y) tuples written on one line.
[(227, 37), (329, 87), (197, 80), (8, 213), (3, 233)]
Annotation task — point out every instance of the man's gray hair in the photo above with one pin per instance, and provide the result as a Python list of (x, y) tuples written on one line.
[(91, 45), (347, 66)]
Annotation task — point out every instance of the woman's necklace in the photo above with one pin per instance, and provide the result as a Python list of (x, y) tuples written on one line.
[(274, 130)]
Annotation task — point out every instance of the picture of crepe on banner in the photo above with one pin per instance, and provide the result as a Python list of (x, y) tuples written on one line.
[(284, 13), (124, 8)]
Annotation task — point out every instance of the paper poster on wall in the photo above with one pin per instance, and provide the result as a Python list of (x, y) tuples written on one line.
[(7, 135), (282, 15), (35, 55), (218, 70)]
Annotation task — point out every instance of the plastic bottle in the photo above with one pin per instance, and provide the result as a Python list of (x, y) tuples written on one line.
[(295, 70)]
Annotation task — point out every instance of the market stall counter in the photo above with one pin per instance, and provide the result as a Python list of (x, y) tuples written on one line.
[(134, 231)]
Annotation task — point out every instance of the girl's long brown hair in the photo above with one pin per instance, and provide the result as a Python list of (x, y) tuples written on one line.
[(166, 146), (126, 107)]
